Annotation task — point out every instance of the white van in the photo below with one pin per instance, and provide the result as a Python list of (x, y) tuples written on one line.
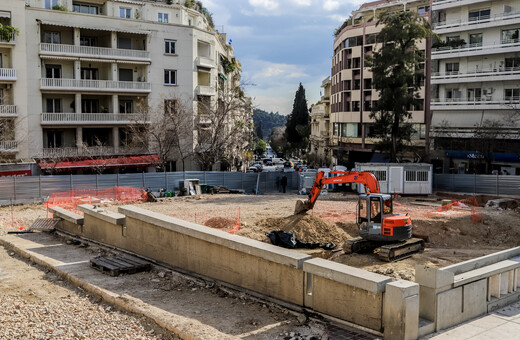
[(277, 161)]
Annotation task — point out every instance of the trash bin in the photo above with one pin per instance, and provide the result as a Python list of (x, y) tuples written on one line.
[(203, 188), (209, 189)]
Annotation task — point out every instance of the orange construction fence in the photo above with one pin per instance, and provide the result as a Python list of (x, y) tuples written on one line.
[(226, 220), (469, 203)]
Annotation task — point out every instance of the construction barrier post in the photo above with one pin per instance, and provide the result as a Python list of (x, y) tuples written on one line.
[(14, 187)]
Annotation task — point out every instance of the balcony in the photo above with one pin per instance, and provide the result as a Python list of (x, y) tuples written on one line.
[(443, 4), (205, 90), (9, 146), (7, 74), (93, 52), (498, 74), (8, 111), (93, 85), (473, 104), (62, 118), (468, 50), (203, 119), (90, 151), (205, 62), (10, 42), (495, 20)]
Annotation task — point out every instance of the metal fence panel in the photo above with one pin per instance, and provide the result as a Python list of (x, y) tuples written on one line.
[(26, 189), (478, 184)]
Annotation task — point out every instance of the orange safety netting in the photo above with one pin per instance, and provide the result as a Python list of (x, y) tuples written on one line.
[(71, 199), (225, 220), (464, 204)]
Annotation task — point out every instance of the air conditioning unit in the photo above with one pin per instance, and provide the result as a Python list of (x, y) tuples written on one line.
[(507, 9), (490, 91)]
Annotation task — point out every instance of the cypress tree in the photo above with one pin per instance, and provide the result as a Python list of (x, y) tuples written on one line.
[(298, 123)]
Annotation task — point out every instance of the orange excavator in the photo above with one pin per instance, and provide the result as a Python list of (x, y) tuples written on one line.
[(381, 231)]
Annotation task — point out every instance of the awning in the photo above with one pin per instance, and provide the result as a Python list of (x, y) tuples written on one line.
[(91, 27), (222, 76), (108, 162), (57, 57), (4, 14)]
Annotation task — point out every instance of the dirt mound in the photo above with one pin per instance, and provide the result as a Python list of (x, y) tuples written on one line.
[(307, 228), (219, 222)]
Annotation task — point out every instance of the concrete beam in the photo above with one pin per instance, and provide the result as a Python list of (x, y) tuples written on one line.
[(351, 276), (433, 277), (66, 215), (102, 214), (401, 311), (483, 261)]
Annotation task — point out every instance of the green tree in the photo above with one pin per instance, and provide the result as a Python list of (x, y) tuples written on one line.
[(396, 76), (260, 147), (258, 130), (298, 127)]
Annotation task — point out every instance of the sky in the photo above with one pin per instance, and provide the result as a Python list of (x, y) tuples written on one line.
[(281, 43)]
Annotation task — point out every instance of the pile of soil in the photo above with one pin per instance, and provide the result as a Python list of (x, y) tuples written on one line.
[(219, 222), (307, 228)]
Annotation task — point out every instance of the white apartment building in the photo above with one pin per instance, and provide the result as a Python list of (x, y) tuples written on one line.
[(75, 76), (476, 85), (320, 151), (353, 93)]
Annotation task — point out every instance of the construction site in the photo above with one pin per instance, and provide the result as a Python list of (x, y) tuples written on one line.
[(455, 228)]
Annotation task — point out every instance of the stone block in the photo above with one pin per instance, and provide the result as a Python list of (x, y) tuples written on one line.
[(432, 277), (401, 310)]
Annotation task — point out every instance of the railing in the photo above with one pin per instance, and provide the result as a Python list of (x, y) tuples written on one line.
[(90, 151), (478, 73), (8, 110), (205, 90), (7, 74), (8, 145), (478, 20), (476, 47), (475, 101), (12, 39), (100, 52), (205, 62), (61, 117), (93, 84)]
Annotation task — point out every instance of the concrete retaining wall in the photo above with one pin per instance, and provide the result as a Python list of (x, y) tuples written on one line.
[(463, 291), (330, 288)]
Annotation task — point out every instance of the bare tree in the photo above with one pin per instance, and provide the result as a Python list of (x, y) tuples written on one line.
[(486, 138), (224, 129), (165, 129)]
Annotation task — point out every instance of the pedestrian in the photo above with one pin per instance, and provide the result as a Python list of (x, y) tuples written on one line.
[(284, 183)]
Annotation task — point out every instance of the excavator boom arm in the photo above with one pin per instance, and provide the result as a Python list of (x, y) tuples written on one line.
[(366, 178)]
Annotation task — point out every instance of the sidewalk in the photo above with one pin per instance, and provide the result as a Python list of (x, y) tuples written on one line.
[(503, 324)]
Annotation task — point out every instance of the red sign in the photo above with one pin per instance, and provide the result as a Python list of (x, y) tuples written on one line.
[(17, 173)]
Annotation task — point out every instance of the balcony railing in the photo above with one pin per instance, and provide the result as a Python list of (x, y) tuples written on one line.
[(12, 39), (90, 151), (205, 62), (205, 90), (8, 146), (92, 51), (475, 101), (476, 47), (8, 110), (477, 20), (93, 85), (7, 74), (501, 71), (91, 118)]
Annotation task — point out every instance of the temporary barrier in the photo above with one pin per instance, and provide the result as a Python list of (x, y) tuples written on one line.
[(227, 220)]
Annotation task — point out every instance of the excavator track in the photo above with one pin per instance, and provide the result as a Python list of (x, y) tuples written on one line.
[(398, 251)]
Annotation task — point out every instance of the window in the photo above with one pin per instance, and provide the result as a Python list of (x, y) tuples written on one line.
[(452, 68), (124, 43), (126, 74), (170, 106), (423, 9), (380, 175), (54, 139), (53, 71), (2, 98), (512, 62), (89, 73), (125, 106), (479, 15), (336, 129), (416, 176), (52, 37), (453, 93), (125, 12), (162, 17), (49, 4), (90, 106), (169, 46), (510, 36), (350, 130), (54, 105), (170, 77), (355, 106), (85, 8), (511, 94), (88, 41), (474, 94), (475, 39), (419, 131)]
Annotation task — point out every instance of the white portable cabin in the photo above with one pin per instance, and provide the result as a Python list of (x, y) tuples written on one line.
[(400, 178)]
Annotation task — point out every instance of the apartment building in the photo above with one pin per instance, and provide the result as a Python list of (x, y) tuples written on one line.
[(78, 74), (476, 86), (320, 150), (353, 94)]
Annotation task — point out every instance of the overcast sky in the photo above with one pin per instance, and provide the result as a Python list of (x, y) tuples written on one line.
[(281, 43)]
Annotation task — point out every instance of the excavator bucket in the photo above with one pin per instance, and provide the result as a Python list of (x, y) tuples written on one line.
[(301, 207)]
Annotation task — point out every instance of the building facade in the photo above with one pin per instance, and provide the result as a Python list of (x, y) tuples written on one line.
[(476, 86), (320, 151), (78, 74), (352, 92)]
